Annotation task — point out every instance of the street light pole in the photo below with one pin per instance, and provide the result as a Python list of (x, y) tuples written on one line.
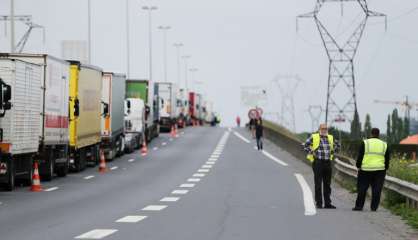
[(178, 46), (186, 67), (150, 9), (128, 57), (89, 28), (12, 26), (165, 29)]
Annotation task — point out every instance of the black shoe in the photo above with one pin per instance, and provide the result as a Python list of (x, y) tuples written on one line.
[(319, 206), (373, 210), (330, 206), (357, 209)]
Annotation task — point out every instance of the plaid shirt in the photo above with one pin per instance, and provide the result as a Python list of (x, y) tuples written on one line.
[(324, 150)]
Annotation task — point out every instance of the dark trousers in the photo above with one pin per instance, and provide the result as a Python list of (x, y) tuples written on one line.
[(322, 175), (375, 179), (259, 143)]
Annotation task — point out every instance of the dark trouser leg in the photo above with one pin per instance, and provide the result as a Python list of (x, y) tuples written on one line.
[(258, 143), (362, 186), (377, 182), (317, 169), (326, 178), (261, 143)]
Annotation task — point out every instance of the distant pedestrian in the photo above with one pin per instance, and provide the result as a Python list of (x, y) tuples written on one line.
[(372, 162), (259, 133), (238, 120), (321, 148)]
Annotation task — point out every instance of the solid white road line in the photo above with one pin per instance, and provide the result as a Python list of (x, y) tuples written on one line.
[(241, 137), (193, 180), (97, 234), (154, 208), (51, 189), (114, 168), (187, 185), (89, 177), (308, 200), (170, 199), (131, 219), (131, 160), (274, 158), (199, 175), (180, 192), (207, 166), (203, 170)]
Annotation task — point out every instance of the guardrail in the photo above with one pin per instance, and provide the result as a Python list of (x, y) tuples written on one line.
[(343, 165)]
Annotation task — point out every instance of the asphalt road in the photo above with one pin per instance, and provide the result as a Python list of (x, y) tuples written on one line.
[(210, 183)]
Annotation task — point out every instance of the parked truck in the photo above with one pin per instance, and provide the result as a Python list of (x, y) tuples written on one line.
[(183, 108), (167, 95), (112, 123), (53, 142), (192, 108), (142, 89), (134, 123), (85, 115), (20, 119)]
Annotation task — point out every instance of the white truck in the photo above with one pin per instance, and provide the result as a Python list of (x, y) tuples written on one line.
[(167, 95), (183, 108), (112, 123), (20, 119), (53, 145), (134, 123)]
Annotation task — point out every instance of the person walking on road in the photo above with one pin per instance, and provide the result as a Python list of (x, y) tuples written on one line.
[(259, 132), (372, 162), (321, 148), (238, 120)]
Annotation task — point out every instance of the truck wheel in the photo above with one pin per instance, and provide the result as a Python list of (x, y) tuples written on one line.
[(122, 146), (50, 167), (97, 155), (62, 171), (10, 186), (28, 180), (80, 161)]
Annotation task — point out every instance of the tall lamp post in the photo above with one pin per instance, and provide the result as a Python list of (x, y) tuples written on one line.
[(12, 26), (149, 9), (178, 46), (164, 29), (128, 54)]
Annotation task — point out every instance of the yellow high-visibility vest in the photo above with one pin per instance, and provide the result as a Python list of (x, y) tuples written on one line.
[(316, 141), (374, 155)]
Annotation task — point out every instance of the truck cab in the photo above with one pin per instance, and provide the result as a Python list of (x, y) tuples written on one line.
[(134, 123)]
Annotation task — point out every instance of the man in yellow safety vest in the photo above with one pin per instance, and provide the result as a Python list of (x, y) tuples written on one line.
[(321, 148), (372, 162)]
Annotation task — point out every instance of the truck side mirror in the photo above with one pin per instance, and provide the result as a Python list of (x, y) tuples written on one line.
[(105, 109), (76, 107), (128, 104)]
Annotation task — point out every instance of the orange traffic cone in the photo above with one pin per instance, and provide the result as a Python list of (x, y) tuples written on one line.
[(144, 149), (36, 180), (102, 165)]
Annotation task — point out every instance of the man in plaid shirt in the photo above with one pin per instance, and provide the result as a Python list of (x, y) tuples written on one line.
[(321, 148)]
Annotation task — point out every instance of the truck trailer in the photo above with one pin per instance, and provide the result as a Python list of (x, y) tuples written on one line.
[(85, 115), (182, 108), (142, 89), (167, 95), (112, 124), (53, 145), (20, 119)]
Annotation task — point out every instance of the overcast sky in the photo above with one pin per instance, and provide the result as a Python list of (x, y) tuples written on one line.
[(235, 43)]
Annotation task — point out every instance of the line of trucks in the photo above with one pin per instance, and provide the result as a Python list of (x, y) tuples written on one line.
[(60, 113)]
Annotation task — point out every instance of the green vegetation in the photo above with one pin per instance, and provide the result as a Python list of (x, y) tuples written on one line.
[(397, 205), (397, 128), (400, 168)]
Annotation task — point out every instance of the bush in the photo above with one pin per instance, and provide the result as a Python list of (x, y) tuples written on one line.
[(396, 203), (400, 168)]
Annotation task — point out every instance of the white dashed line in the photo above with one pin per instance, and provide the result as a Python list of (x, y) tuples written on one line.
[(114, 168), (89, 177), (155, 149), (187, 185), (215, 156), (199, 175), (213, 159), (241, 137), (210, 163), (255, 148), (203, 170), (131, 160), (274, 158), (154, 208), (97, 234), (180, 192), (170, 139), (193, 180), (170, 199), (51, 189), (164, 143), (207, 166), (131, 219), (308, 201)]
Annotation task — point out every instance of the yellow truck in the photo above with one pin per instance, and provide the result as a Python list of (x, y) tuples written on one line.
[(86, 111)]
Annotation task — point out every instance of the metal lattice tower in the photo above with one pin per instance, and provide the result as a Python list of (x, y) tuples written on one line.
[(287, 85), (315, 112), (341, 60)]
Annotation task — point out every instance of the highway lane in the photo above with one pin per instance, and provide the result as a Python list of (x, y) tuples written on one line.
[(209, 183)]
